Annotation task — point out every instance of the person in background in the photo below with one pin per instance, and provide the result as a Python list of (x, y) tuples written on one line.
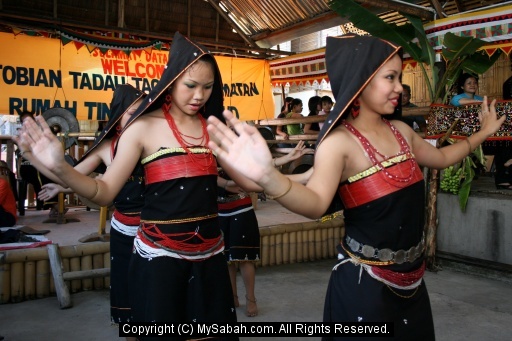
[(314, 106), (374, 166), (31, 175), (241, 231), (285, 109), (295, 112), (416, 122), (327, 104), (8, 216), (467, 87)]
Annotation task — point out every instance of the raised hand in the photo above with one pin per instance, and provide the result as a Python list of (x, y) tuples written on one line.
[(245, 151), (36, 137), (298, 151), (48, 191), (489, 121)]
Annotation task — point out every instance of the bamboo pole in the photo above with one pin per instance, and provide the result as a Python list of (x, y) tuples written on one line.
[(17, 281), (318, 243), (293, 247), (29, 280), (42, 278), (279, 249), (305, 246), (311, 245), (85, 265), (325, 243), (68, 251), (61, 288), (106, 264), (286, 248), (97, 263), (300, 251), (265, 250), (331, 244), (272, 249), (74, 265), (5, 283)]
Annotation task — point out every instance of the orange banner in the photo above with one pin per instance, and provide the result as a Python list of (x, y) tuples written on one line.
[(38, 73)]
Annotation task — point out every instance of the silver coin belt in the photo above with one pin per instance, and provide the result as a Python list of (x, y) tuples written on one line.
[(387, 255)]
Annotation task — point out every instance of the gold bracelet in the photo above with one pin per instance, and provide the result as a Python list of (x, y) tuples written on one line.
[(274, 197), (469, 146), (95, 192)]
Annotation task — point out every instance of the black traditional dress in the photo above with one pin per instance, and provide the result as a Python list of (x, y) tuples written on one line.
[(123, 228), (240, 226), (178, 271), (379, 274)]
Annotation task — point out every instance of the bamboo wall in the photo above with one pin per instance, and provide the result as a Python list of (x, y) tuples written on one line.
[(25, 274)]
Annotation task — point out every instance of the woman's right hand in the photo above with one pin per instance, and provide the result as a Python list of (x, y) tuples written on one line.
[(37, 136)]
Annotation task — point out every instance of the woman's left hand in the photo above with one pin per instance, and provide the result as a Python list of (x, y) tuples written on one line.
[(489, 121), (246, 151)]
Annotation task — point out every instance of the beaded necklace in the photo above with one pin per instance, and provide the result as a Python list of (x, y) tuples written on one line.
[(202, 160), (372, 152)]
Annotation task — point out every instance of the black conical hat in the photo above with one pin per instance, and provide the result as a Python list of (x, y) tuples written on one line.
[(183, 54), (352, 61), (125, 95)]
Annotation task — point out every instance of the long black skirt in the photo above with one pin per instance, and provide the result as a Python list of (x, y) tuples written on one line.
[(166, 289), (354, 296), (121, 247)]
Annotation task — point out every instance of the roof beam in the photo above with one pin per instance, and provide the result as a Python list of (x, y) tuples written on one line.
[(226, 17), (460, 6), (318, 23), (401, 6), (218, 46), (438, 8)]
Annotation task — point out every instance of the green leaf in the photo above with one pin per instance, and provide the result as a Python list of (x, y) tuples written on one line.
[(462, 45), (480, 62)]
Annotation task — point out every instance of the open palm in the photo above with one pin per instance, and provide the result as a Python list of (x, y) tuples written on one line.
[(246, 151)]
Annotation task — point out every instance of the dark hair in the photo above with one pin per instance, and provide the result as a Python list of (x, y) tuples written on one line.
[(407, 87), (312, 104), (327, 99), (462, 79), (26, 113), (296, 101), (287, 100)]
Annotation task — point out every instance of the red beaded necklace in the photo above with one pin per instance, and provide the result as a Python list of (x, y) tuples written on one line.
[(203, 160), (372, 152)]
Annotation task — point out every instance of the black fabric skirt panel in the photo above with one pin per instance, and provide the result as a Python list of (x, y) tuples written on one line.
[(241, 236), (121, 247), (353, 299), (166, 289)]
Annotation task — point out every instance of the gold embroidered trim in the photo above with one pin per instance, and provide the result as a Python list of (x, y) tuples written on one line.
[(375, 169), (177, 221), (196, 150)]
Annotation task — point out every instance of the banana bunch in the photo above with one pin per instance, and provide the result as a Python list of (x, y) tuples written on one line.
[(451, 179)]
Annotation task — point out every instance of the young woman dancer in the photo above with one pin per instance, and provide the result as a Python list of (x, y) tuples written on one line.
[(241, 231), (128, 202), (373, 164), (177, 272)]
